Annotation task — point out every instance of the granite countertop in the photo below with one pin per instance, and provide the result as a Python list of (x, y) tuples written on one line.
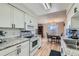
[(68, 50), (12, 42)]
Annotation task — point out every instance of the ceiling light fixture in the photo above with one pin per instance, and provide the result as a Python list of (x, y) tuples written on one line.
[(47, 5)]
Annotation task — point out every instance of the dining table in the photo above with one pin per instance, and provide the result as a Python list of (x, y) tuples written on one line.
[(54, 38)]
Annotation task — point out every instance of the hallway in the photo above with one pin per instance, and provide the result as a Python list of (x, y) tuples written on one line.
[(46, 48)]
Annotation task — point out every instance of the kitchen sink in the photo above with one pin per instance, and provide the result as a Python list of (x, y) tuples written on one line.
[(72, 46), (70, 41)]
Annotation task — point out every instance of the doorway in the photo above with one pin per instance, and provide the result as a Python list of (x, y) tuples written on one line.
[(40, 30)]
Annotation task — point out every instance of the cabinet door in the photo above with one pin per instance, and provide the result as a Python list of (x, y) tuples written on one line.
[(18, 18), (35, 23), (14, 53), (7, 51), (28, 21), (75, 23), (24, 49), (5, 15), (77, 6)]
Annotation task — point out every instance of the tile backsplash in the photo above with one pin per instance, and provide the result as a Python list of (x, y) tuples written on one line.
[(11, 32)]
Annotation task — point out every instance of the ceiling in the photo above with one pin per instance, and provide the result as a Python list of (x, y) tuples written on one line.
[(38, 8)]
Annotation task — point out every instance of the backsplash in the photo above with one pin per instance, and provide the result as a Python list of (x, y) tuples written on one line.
[(11, 32)]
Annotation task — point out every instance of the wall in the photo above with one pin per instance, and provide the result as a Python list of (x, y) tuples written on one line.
[(60, 28), (10, 32)]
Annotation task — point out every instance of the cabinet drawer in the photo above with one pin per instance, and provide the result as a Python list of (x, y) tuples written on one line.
[(8, 50)]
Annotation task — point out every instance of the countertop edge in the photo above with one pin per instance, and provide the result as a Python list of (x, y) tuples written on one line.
[(13, 45)]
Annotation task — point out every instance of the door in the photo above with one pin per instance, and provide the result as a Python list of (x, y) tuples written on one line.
[(24, 49), (5, 15), (40, 30), (18, 18)]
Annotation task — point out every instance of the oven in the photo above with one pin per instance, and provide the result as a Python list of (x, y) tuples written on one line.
[(33, 44)]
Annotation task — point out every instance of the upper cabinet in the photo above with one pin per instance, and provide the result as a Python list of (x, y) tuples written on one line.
[(75, 17), (27, 19), (11, 17), (5, 15), (18, 18), (35, 23), (31, 23), (75, 23), (72, 17)]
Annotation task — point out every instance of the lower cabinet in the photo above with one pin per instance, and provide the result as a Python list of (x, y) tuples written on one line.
[(24, 49), (14, 53), (17, 50)]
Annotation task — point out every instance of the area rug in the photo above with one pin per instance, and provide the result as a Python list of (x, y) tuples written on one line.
[(54, 53)]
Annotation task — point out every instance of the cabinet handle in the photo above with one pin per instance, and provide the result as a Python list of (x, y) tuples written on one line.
[(75, 10), (12, 25), (19, 46), (18, 49)]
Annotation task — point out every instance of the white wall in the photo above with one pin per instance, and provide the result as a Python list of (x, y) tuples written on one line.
[(51, 20), (60, 28)]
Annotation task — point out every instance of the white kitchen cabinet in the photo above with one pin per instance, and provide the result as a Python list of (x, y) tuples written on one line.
[(24, 49), (35, 23), (70, 15), (21, 50), (7, 51), (75, 23), (13, 53), (30, 21), (9, 16), (75, 17), (17, 50), (27, 19), (77, 6), (18, 18), (5, 15)]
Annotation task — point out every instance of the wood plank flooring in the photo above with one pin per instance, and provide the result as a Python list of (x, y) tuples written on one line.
[(46, 48)]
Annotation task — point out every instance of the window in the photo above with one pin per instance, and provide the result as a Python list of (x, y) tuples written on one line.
[(52, 27)]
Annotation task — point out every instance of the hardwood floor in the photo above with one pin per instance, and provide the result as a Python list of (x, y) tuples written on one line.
[(46, 48)]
